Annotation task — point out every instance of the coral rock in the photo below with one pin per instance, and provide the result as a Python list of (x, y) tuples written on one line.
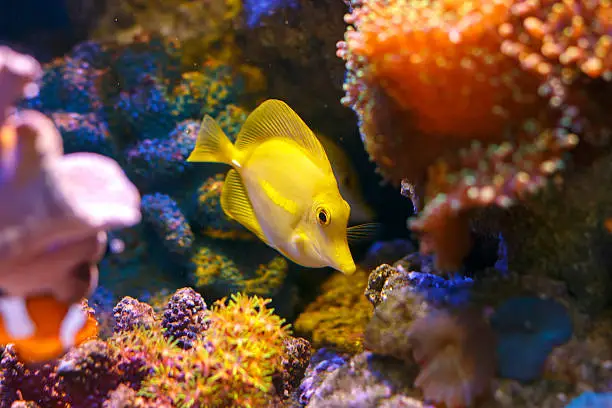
[(295, 360), (130, 313)]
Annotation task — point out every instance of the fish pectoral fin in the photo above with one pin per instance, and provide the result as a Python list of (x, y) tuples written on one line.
[(236, 204), (364, 232), (273, 119)]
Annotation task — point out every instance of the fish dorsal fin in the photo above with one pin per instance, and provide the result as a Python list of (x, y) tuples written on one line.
[(275, 118), (236, 204)]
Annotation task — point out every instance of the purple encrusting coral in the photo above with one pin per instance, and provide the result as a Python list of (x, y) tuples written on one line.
[(84, 133), (153, 162), (185, 317)]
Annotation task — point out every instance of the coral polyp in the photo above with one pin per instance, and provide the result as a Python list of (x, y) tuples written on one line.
[(440, 61)]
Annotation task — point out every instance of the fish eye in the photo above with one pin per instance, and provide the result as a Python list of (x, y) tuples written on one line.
[(323, 216)]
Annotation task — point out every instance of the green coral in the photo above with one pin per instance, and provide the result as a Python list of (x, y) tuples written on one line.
[(232, 366), (228, 268), (207, 90), (231, 120)]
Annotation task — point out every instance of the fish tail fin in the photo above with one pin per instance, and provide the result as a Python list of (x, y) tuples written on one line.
[(212, 144)]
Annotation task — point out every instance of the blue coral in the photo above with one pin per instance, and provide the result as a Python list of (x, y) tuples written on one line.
[(84, 133), (147, 109), (67, 85), (255, 10), (591, 399), (158, 161), (148, 58), (165, 217), (528, 328)]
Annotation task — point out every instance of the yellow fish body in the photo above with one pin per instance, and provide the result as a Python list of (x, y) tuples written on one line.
[(282, 187)]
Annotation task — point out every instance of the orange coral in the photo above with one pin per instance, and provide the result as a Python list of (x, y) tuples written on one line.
[(443, 104), (569, 41)]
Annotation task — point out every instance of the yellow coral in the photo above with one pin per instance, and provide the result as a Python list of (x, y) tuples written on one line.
[(234, 363), (338, 317)]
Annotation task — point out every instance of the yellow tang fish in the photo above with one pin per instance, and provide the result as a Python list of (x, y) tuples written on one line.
[(282, 187)]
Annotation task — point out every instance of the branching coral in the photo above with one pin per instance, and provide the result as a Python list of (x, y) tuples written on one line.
[(432, 78)]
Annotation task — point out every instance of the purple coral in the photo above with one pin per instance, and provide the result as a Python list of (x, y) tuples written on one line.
[(322, 363), (130, 313), (185, 317)]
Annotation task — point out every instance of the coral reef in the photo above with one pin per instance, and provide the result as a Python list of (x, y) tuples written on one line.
[(138, 104), (473, 106), (414, 72), (337, 317), (239, 355), (425, 320)]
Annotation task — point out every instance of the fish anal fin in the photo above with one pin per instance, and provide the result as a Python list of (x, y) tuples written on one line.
[(236, 204), (274, 119)]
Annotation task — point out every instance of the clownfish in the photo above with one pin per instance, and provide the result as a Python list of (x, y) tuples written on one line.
[(42, 328)]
